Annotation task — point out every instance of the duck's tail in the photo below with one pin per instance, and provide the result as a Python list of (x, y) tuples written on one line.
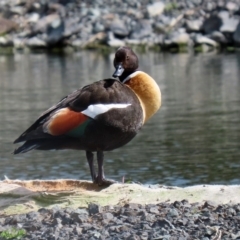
[(27, 146)]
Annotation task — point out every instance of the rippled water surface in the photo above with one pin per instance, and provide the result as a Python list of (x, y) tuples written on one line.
[(193, 139)]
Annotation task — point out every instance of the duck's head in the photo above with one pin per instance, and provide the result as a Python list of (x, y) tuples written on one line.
[(125, 63)]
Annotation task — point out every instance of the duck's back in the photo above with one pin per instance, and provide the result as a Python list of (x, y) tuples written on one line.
[(125, 111)]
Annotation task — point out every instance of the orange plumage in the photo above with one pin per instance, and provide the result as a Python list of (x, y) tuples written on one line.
[(65, 120)]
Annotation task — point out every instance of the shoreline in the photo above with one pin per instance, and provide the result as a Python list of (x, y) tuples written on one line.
[(18, 196), (180, 26), (71, 209)]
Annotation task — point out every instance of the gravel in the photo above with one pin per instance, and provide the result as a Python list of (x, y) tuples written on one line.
[(180, 220)]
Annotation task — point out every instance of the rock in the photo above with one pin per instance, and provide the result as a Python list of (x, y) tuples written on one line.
[(211, 24), (155, 9), (55, 31), (182, 38), (96, 12), (236, 35), (229, 23), (231, 211), (107, 216), (35, 42), (114, 42), (133, 42), (209, 204), (33, 18), (43, 23), (218, 37), (142, 29), (154, 210), (94, 208), (32, 216), (178, 37), (98, 27), (151, 23), (81, 211), (44, 212), (163, 24), (177, 204), (77, 231), (3, 41), (79, 218), (72, 26), (200, 39), (7, 26), (77, 43), (194, 25), (120, 222), (57, 222), (6, 41), (231, 6), (173, 213), (119, 29)]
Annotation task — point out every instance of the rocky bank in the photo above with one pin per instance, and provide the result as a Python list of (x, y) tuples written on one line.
[(73, 210), (177, 221), (166, 24)]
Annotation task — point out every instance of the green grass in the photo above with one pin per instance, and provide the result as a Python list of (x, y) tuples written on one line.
[(171, 6), (13, 233)]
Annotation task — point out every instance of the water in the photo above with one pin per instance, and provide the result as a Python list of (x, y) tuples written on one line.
[(193, 139)]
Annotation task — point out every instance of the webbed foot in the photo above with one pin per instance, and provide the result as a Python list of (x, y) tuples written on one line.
[(104, 181)]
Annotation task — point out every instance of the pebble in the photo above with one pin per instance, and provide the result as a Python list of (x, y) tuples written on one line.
[(179, 220)]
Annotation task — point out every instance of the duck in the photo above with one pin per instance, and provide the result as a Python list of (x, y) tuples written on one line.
[(99, 117)]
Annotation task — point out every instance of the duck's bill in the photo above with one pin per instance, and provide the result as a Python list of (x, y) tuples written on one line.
[(119, 71)]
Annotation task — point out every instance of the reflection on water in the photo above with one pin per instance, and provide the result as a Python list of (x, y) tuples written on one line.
[(193, 139)]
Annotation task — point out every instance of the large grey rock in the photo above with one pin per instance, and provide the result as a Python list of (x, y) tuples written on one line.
[(98, 27), (33, 18), (72, 26), (155, 9), (43, 23), (236, 35), (165, 23), (200, 39), (20, 10), (211, 24), (119, 28), (96, 12), (179, 37), (218, 37), (55, 31), (194, 25), (142, 29), (232, 6), (229, 23), (6, 25), (6, 41), (114, 42), (35, 42)]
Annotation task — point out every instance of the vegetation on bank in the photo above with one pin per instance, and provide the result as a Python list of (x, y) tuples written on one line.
[(13, 233), (107, 49)]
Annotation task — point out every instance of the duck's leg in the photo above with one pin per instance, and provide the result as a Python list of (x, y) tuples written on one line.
[(90, 156), (101, 180)]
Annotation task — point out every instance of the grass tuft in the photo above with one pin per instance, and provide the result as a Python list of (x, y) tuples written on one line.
[(13, 233)]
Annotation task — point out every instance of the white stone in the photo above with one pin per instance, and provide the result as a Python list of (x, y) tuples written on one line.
[(229, 25), (205, 40), (155, 9), (33, 18)]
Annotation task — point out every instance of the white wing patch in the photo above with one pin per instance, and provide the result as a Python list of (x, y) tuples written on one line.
[(96, 109)]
